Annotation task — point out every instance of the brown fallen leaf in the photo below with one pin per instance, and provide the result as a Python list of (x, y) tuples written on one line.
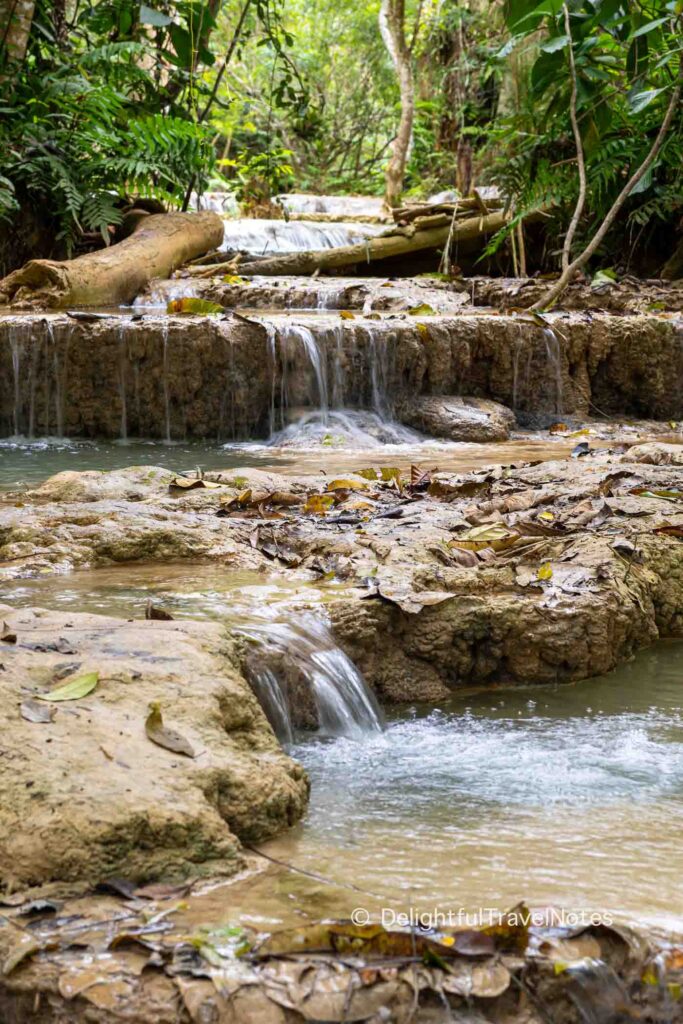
[(495, 535), (191, 483), (7, 635), (160, 734), (155, 611)]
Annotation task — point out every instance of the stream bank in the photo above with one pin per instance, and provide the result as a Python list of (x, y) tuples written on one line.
[(392, 506)]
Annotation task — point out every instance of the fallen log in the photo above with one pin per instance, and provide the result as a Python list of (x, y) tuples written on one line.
[(390, 243), (159, 244)]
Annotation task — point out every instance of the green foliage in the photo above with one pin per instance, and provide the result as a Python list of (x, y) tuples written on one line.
[(626, 59), (88, 123)]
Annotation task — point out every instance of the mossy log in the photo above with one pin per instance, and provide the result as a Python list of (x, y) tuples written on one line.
[(159, 244)]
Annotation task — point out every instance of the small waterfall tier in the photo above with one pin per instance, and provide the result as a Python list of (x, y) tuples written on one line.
[(332, 385), (302, 679), (263, 237)]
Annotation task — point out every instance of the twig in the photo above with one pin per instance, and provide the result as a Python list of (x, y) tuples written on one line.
[(581, 200), (312, 874)]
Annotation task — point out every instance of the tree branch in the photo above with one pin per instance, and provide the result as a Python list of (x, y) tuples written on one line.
[(581, 200), (565, 277)]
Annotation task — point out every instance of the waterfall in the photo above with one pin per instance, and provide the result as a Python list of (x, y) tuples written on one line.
[(167, 400), (15, 341), (554, 361), (264, 237), (547, 364), (336, 206), (298, 663), (336, 372), (123, 361)]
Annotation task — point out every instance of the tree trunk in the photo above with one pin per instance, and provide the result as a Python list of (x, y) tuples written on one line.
[(392, 28), (16, 18), (378, 248), (159, 244)]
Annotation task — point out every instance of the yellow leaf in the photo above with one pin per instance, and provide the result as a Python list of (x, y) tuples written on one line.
[(367, 474), (318, 504), (423, 330), (160, 734), (547, 517), (579, 433), (347, 315), (359, 506), (545, 572), (424, 309), (496, 536), (74, 688), (347, 485), (192, 305), (189, 483), (388, 473)]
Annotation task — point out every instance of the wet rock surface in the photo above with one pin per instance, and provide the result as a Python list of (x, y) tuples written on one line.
[(231, 377), (572, 565), (458, 419), (88, 795)]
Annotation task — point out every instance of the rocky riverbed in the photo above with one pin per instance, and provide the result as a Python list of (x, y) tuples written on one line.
[(393, 568)]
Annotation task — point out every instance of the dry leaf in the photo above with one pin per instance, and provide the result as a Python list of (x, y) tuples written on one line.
[(160, 734), (32, 711), (496, 536), (7, 635)]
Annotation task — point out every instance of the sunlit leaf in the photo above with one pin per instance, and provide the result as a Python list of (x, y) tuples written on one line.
[(192, 305), (496, 536), (74, 688)]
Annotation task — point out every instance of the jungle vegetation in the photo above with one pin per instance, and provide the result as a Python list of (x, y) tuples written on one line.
[(106, 102)]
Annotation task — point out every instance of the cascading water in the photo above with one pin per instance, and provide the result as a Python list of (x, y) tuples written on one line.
[(298, 661), (344, 365), (554, 361), (123, 363), (337, 206), (262, 237), (15, 341), (167, 398), (526, 358)]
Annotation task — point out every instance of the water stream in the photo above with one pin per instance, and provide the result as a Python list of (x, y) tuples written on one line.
[(568, 795)]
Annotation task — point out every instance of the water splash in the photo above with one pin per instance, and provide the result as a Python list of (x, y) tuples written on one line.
[(299, 664), (160, 293)]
